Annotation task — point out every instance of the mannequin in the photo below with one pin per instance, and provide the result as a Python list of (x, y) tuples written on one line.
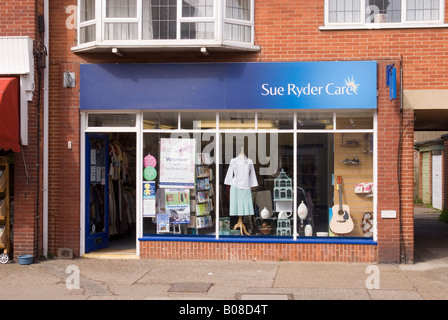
[(241, 177)]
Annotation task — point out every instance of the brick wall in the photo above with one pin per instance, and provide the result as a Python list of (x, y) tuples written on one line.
[(19, 18), (285, 31), (258, 251)]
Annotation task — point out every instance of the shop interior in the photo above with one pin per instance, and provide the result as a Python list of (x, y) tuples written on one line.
[(115, 160)]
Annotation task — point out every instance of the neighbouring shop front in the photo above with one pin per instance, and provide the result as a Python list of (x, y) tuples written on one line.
[(231, 160)]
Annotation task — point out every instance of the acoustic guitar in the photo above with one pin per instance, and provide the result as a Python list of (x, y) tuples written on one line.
[(341, 221)]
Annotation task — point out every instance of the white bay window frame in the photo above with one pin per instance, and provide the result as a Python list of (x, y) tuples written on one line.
[(404, 22), (218, 41), (128, 20)]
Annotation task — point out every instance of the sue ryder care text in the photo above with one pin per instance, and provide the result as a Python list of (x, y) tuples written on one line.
[(308, 90)]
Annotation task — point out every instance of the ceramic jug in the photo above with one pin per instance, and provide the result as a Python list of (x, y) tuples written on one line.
[(284, 215), (308, 230)]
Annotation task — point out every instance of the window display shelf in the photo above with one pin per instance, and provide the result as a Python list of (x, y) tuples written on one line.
[(203, 208)]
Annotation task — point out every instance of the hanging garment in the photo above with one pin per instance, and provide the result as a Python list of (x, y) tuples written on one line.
[(112, 209), (241, 173), (241, 177), (240, 202)]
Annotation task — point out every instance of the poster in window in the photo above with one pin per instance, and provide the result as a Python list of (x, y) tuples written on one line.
[(177, 163), (177, 205), (149, 199), (163, 223)]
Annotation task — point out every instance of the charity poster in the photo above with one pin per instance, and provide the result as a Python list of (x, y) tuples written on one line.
[(177, 205), (177, 163), (149, 199), (163, 223)]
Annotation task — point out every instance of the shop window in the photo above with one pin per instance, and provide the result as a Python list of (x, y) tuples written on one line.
[(314, 120), (237, 120), (111, 120), (274, 121), (254, 167), (239, 182), (161, 120), (383, 13), (352, 210), (183, 179), (198, 120), (166, 23), (315, 167), (354, 120)]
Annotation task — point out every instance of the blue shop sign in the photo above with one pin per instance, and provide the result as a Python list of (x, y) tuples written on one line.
[(273, 85)]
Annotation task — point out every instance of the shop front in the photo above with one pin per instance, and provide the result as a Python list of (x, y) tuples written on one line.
[(246, 161)]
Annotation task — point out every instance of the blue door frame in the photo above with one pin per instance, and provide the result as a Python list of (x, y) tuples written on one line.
[(97, 195)]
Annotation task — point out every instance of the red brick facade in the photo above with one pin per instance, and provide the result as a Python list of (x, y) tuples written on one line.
[(306, 252), (285, 31), (19, 18)]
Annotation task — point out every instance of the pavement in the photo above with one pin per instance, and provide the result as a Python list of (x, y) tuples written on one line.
[(156, 280)]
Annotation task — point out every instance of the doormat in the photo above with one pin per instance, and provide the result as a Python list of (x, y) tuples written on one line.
[(191, 287)]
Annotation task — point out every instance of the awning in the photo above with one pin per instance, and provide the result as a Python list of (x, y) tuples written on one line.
[(9, 114)]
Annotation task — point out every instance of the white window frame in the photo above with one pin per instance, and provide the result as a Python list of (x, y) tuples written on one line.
[(104, 20), (218, 41), (88, 23), (384, 25)]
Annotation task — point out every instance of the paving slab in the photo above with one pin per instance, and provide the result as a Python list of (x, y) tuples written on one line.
[(190, 287), (265, 296), (394, 295)]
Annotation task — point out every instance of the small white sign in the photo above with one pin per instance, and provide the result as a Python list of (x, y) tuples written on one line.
[(388, 214)]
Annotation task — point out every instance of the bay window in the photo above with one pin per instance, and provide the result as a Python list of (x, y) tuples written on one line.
[(383, 13), (125, 24), (87, 21)]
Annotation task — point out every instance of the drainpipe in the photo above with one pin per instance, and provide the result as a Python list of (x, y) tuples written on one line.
[(46, 135)]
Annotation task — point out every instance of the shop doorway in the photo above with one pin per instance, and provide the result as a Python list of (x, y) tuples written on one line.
[(110, 193)]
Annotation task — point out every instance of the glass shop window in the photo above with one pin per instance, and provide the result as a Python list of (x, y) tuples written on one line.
[(111, 120), (256, 184), (161, 120), (237, 120), (198, 120), (246, 184), (354, 120), (274, 121), (314, 120), (179, 184)]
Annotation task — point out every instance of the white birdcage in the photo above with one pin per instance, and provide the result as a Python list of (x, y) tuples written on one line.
[(283, 187)]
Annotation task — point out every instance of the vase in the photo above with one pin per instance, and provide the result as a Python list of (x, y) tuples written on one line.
[(308, 230)]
